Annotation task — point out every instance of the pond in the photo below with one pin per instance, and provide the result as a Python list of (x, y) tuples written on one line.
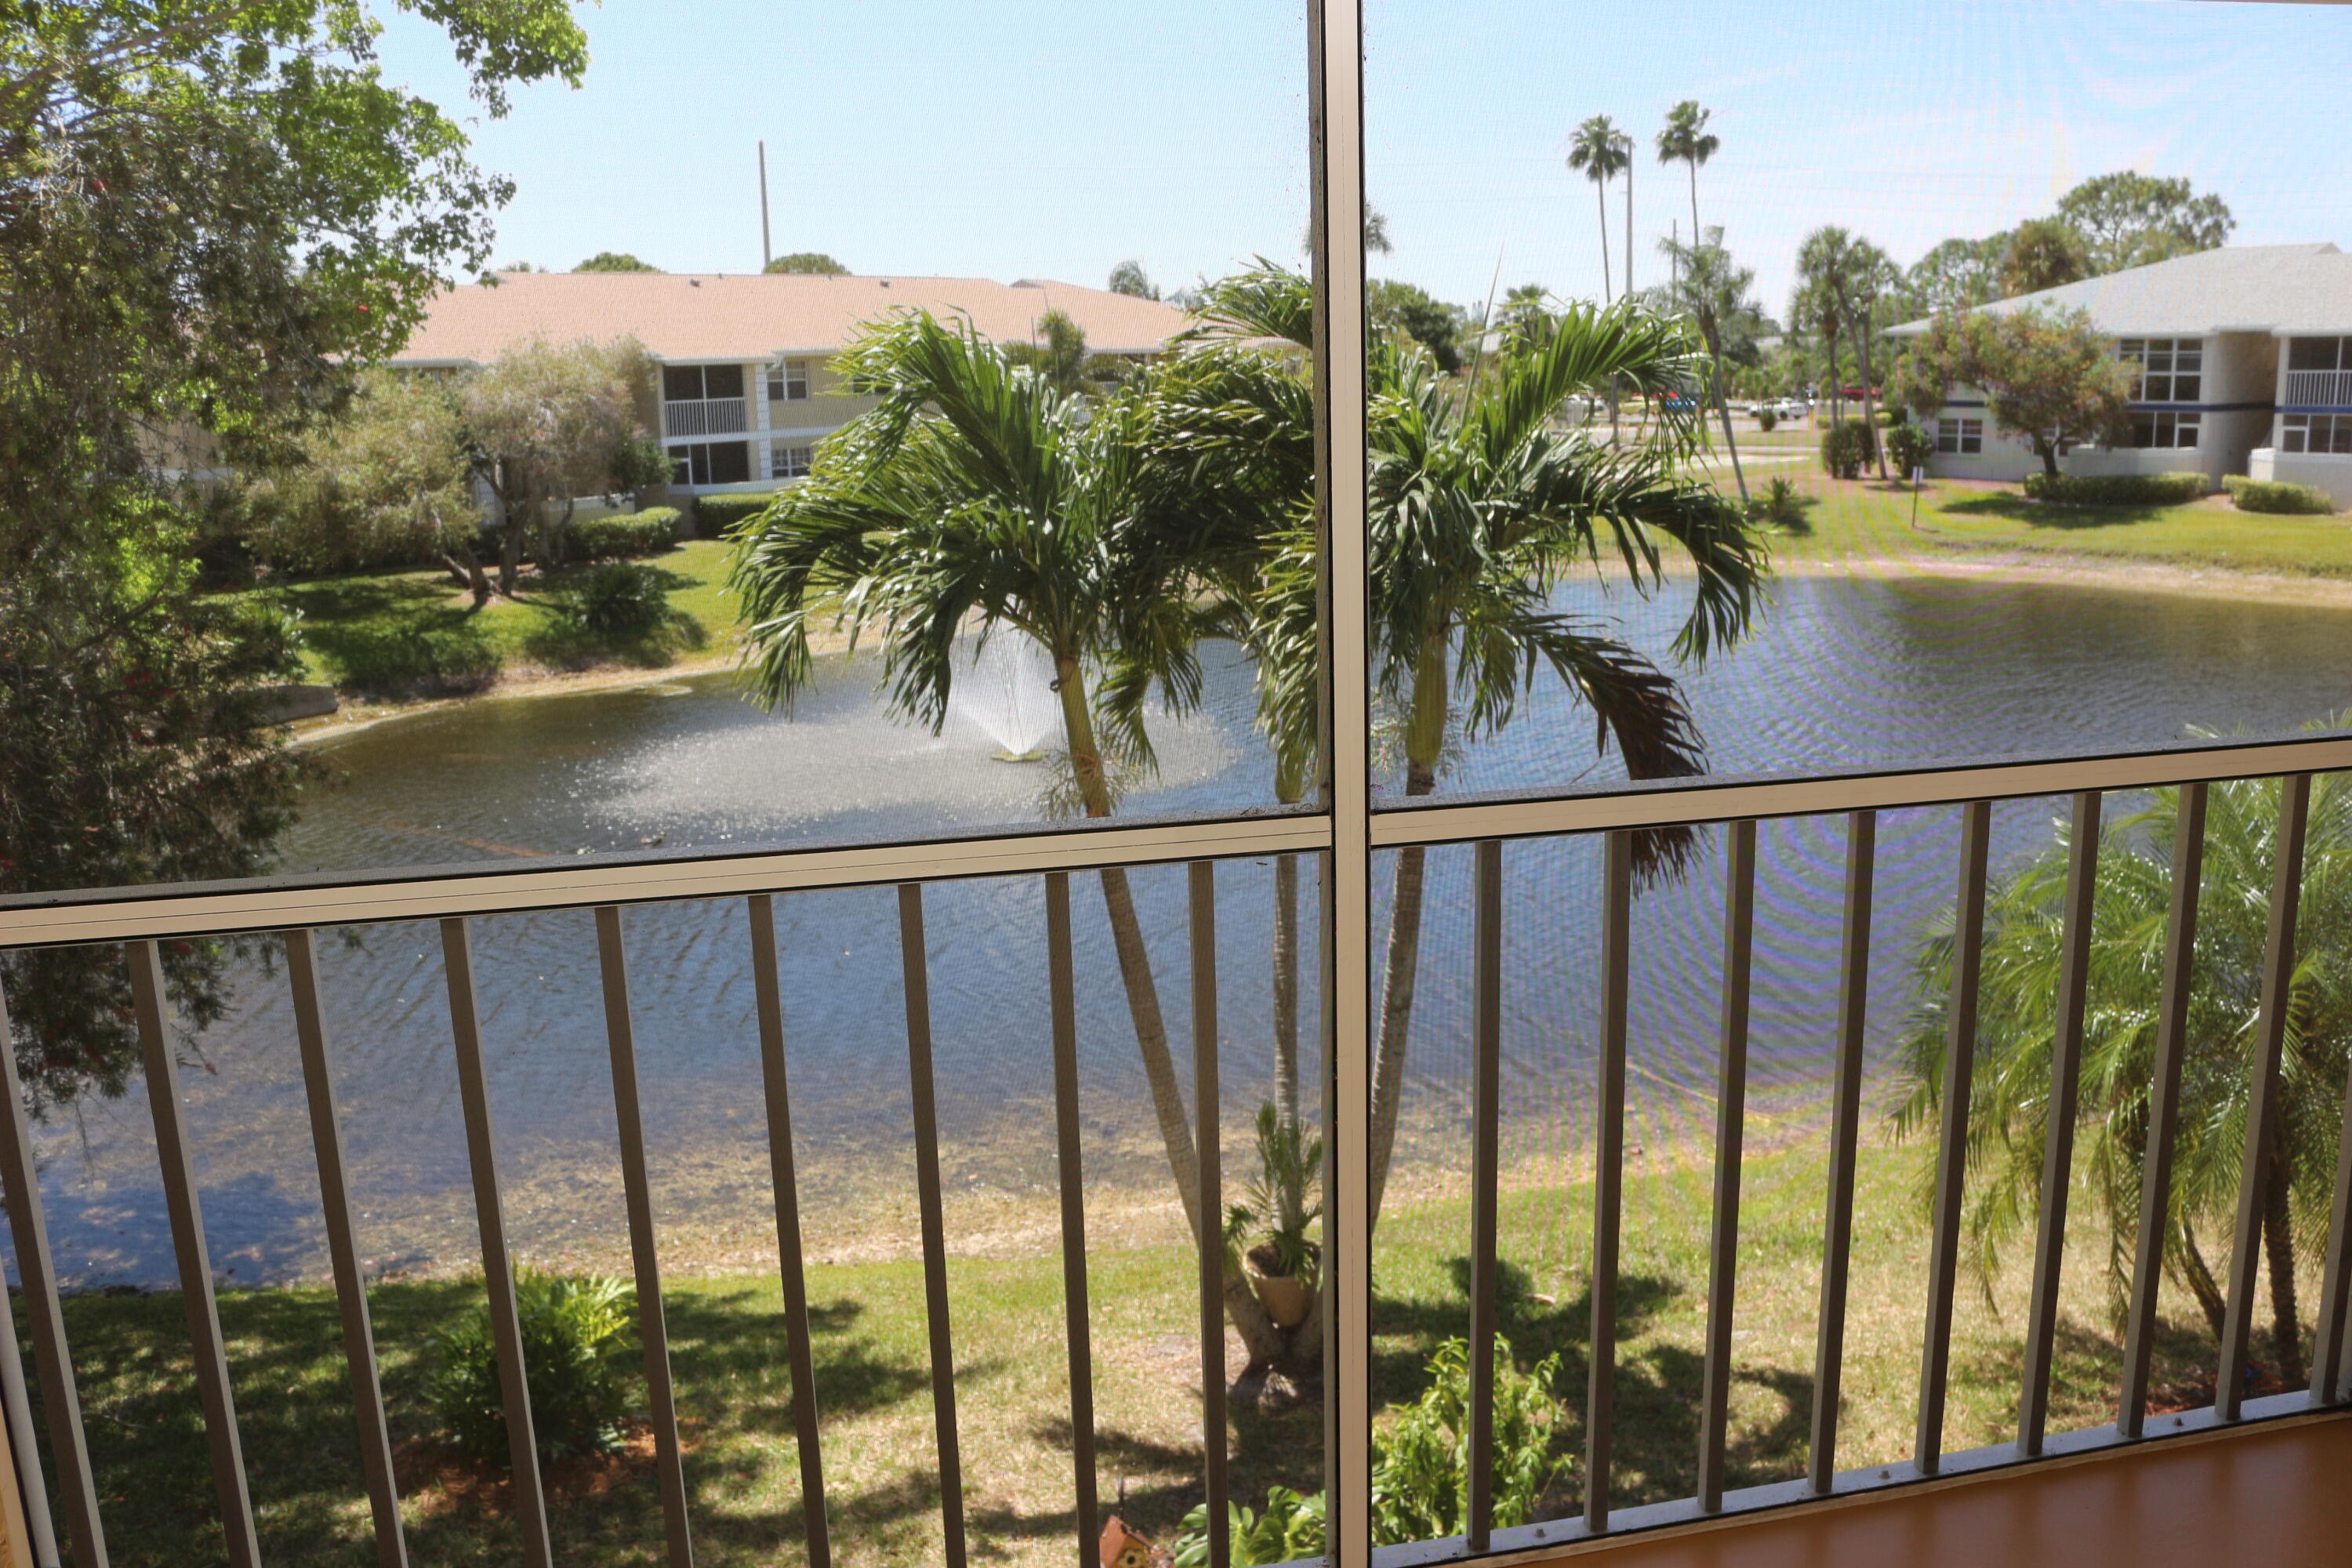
[(1841, 673)]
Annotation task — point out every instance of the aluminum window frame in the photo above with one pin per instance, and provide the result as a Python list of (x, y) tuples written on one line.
[(1344, 825)]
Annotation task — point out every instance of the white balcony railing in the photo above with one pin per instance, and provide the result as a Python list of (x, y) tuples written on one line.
[(2319, 388), (706, 416)]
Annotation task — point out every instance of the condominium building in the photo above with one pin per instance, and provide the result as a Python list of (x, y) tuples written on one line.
[(746, 388), (2243, 361)]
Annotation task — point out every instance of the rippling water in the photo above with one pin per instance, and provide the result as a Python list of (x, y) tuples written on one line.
[(1841, 673)]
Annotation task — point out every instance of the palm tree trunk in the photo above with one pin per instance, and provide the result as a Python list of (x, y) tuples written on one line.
[(1869, 416), (1601, 200), (1695, 236), (1722, 405), (2199, 1280), (2278, 1245), (1259, 1336), (1425, 741)]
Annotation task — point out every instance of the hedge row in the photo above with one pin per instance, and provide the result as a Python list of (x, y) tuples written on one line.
[(617, 534), (716, 517), (2115, 489), (2276, 495)]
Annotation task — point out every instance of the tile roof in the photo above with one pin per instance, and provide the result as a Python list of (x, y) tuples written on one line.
[(2279, 288), (684, 317)]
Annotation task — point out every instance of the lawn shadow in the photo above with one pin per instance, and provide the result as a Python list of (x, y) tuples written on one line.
[(2050, 514)]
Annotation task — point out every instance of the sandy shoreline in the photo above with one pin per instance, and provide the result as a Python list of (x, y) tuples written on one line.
[(1973, 564)]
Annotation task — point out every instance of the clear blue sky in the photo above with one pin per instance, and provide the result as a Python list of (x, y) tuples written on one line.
[(1051, 137)]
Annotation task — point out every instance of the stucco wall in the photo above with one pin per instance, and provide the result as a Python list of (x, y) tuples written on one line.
[(2328, 471)]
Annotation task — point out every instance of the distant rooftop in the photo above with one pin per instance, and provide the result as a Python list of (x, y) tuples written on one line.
[(685, 317), (2285, 289)]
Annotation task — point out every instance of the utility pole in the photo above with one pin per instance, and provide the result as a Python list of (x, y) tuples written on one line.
[(767, 248)]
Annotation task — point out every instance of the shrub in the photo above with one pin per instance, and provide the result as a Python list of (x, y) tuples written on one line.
[(1420, 1482), (1847, 447), (1766, 419), (646, 533), (613, 600), (1777, 502), (1909, 448), (1289, 1531), (575, 1338), (2115, 489), (2277, 496), (716, 517)]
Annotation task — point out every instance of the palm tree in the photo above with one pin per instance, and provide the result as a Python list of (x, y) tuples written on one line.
[(1598, 151), (977, 494), (1841, 277), (1715, 290), (1479, 511), (2009, 1097), (1684, 140)]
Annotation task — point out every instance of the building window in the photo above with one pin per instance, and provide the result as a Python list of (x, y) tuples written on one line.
[(711, 463), (2316, 433), (1959, 436), (696, 383), (788, 463), (2162, 427), (788, 381), (2317, 353), (2166, 370)]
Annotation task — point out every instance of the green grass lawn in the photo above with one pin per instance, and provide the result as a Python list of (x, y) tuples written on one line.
[(873, 1390), (1868, 519), (397, 634)]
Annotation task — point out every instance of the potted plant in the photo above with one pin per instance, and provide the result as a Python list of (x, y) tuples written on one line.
[(1282, 1261)]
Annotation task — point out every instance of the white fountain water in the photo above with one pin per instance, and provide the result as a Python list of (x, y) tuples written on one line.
[(1007, 694)]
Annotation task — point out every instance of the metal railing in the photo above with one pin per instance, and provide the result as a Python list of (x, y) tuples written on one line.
[(707, 417), (2319, 388), (137, 922)]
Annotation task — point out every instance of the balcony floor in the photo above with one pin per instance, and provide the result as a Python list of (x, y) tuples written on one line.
[(2272, 1496)]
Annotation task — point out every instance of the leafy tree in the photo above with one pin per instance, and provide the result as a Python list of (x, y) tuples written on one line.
[(210, 216), (1598, 151), (2009, 1091), (1957, 275), (615, 261), (2050, 377), (548, 424), (2043, 253), (1129, 278), (815, 263), (385, 480), (1684, 140), (1403, 308), (2128, 219)]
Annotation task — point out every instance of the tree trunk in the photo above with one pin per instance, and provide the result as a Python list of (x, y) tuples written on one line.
[(2278, 1245), (2199, 1280), (466, 567), (1869, 412), (1257, 1332), (510, 545), (2047, 450), (1425, 742), (1722, 404), (1601, 200)]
